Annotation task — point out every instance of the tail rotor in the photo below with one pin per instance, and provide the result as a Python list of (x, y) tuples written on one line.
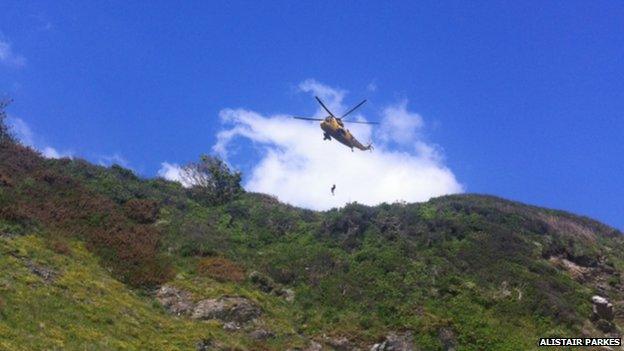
[(370, 147)]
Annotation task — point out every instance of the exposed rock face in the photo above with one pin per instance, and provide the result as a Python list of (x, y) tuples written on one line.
[(314, 346), (234, 312), (602, 314), (340, 344), (231, 326), (47, 274), (177, 302), (237, 310), (261, 334), (603, 309), (395, 342), (577, 272)]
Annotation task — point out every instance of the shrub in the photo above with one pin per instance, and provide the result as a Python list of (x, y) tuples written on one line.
[(60, 246), (221, 269), (197, 236), (123, 173), (212, 181), (132, 253), (61, 202), (142, 210)]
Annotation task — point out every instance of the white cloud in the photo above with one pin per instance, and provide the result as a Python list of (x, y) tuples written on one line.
[(170, 171), (8, 57), (299, 167), (21, 130), (25, 135), (50, 152), (329, 95), (173, 172), (400, 125)]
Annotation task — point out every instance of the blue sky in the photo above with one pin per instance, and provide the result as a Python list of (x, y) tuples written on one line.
[(523, 100)]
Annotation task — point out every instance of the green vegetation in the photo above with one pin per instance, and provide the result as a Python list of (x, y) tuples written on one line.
[(477, 265), (83, 308), (213, 183)]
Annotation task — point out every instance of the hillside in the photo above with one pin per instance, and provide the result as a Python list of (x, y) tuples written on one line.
[(97, 258)]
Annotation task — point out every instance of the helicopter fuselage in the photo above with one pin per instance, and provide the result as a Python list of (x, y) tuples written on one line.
[(334, 128)]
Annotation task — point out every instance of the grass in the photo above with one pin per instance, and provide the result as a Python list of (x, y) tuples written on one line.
[(477, 265), (85, 309)]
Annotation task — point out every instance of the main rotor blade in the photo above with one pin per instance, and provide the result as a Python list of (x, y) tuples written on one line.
[(309, 119), (325, 107), (353, 109), (361, 122)]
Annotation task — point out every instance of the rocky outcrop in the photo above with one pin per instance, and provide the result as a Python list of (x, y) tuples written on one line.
[(395, 342), (233, 311), (577, 272), (603, 309), (339, 343), (236, 310), (598, 272), (261, 334), (175, 301), (48, 275), (314, 346), (602, 314), (231, 326)]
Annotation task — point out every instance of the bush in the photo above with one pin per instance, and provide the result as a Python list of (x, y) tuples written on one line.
[(212, 181), (60, 246), (60, 202), (221, 269), (123, 173), (142, 210)]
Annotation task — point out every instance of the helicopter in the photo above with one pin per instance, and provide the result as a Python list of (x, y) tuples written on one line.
[(333, 126)]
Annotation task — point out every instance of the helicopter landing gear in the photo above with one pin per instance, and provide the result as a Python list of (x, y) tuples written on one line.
[(326, 136)]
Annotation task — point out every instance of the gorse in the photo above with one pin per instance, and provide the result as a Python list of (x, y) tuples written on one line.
[(475, 271)]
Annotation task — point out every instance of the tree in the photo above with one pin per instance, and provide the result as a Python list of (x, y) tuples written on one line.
[(211, 180), (5, 133)]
